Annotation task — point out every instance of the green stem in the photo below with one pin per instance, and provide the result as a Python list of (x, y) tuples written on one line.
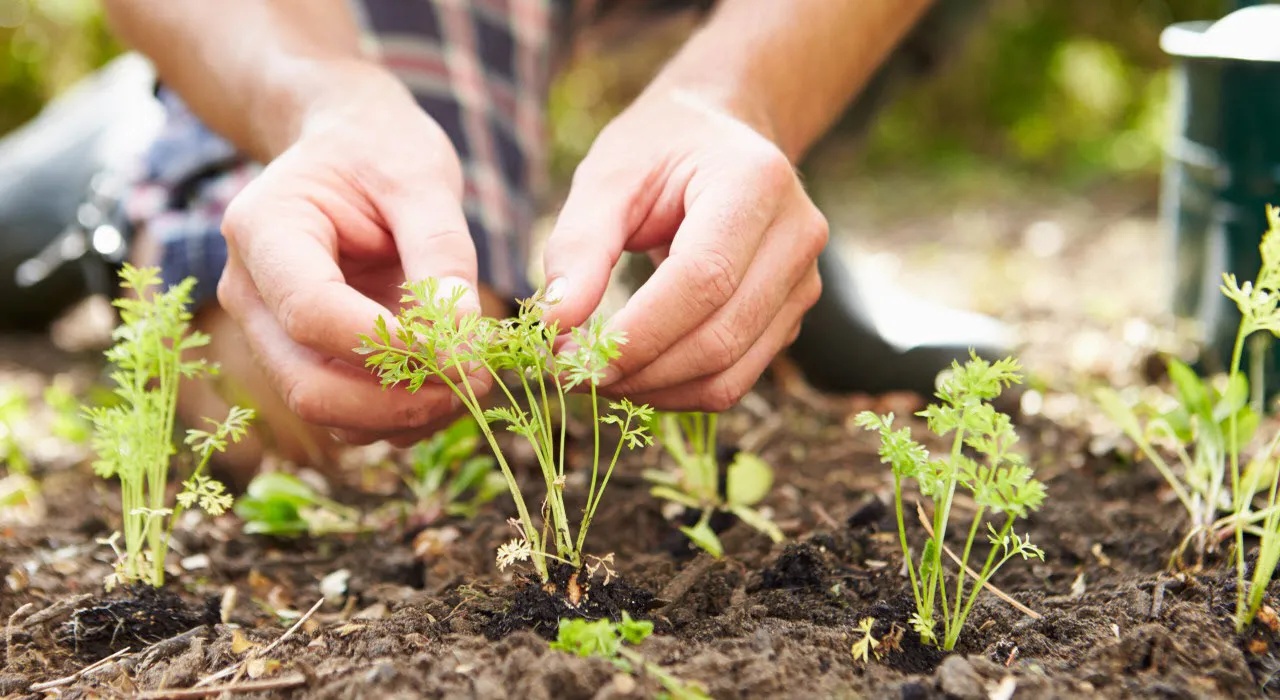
[(595, 503), (472, 404), (555, 493), (941, 515), (1233, 447), (595, 465), (964, 561), (985, 575), (902, 539)]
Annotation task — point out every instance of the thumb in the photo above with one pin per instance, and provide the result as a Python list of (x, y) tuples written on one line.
[(431, 235), (584, 246)]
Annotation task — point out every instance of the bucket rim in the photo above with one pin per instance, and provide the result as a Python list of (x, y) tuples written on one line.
[(1186, 40)]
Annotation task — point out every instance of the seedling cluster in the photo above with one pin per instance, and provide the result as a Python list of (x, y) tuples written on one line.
[(996, 477), (431, 341), (134, 438)]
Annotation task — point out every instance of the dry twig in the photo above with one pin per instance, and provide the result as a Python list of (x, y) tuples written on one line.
[(257, 655), (68, 680), (985, 584), (62, 606), (292, 680)]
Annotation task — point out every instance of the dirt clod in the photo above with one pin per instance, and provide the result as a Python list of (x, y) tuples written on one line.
[(142, 616), (799, 566), (539, 607)]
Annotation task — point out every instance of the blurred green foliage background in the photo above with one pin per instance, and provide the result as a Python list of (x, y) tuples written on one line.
[(1065, 89)]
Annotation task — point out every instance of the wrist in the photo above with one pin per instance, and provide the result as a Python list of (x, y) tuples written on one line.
[(718, 73), (305, 95)]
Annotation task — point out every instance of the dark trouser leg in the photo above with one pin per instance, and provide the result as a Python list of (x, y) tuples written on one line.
[(869, 340)]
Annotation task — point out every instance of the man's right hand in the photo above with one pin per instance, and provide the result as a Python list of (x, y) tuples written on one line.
[(367, 196)]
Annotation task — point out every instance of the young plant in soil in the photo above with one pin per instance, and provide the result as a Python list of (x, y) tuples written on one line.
[(1210, 425), (606, 639), (134, 438), (446, 476), (1198, 427), (19, 492), (283, 505), (998, 480), (432, 342), (696, 484), (1259, 304)]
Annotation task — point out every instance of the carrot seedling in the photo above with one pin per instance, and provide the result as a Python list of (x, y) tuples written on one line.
[(998, 480), (431, 340), (690, 440), (608, 640), (1208, 429), (281, 504), (448, 478), (134, 438)]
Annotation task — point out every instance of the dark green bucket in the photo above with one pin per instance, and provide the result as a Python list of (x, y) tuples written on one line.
[(1222, 170)]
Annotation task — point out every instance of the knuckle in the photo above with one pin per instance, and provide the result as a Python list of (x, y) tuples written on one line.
[(237, 219), (812, 291), (712, 280), (817, 233), (721, 346), (225, 294), (722, 394), (412, 416), (296, 318), (774, 170), (304, 402)]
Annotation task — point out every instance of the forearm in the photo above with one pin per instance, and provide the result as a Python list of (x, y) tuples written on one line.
[(253, 70), (789, 68)]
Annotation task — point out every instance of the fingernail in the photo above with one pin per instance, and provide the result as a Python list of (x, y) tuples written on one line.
[(611, 375), (449, 286), (555, 291)]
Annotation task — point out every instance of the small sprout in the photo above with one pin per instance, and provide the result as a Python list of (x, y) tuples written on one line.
[(132, 437), (13, 414), (449, 477), (864, 646), (68, 420), (694, 483), (608, 640), (281, 504)]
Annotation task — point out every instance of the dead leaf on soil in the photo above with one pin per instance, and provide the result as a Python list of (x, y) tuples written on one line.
[(259, 668)]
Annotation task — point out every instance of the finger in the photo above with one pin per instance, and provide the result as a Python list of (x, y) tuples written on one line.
[(722, 391), (604, 210), (322, 391), (724, 339), (431, 235), (288, 248), (710, 255)]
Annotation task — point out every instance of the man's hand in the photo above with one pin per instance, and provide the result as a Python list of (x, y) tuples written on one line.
[(722, 211), (368, 195)]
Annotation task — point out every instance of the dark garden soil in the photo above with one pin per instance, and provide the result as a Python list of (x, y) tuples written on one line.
[(427, 613)]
